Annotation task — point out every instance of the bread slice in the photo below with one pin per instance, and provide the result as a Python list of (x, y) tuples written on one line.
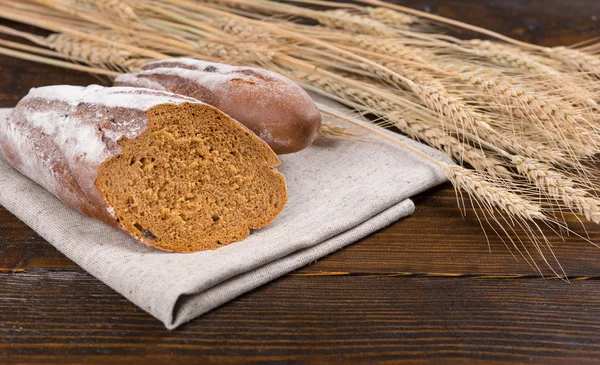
[(175, 173)]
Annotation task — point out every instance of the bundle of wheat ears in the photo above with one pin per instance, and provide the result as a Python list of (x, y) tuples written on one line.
[(521, 121)]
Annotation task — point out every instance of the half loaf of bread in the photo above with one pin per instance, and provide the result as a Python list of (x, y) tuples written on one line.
[(274, 107), (173, 172)]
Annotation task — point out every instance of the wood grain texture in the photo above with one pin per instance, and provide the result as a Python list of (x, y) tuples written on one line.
[(429, 289), (315, 320)]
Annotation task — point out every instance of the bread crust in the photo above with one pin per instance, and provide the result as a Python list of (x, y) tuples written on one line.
[(272, 106)]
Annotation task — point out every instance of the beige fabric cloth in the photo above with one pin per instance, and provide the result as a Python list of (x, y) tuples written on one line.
[(339, 192)]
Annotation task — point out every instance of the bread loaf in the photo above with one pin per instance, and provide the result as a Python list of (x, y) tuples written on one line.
[(173, 172), (272, 106)]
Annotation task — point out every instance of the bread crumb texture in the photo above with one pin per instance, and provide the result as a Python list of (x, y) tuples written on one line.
[(194, 179)]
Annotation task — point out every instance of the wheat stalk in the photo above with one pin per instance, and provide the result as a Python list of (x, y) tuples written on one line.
[(135, 64), (559, 122), (94, 54), (386, 46), (442, 20), (463, 117), (390, 18), (413, 126), (241, 30), (476, 184), (577, 60), (344, 19), (117, 9), (83, 34), (236, 54), (329, 129), (507, 55), (560, 187)]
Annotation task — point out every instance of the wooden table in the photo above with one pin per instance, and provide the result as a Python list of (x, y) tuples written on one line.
[(424, 290)]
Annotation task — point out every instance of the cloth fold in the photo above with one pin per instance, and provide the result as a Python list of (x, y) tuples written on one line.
[(339, 192)]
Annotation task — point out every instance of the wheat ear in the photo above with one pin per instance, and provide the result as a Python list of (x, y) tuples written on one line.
[(388, 46), (509, 56), (577, 60), (354, 23), (343, 18), (561, 123), (94, 54), (116, 9), (559, 187), (331, 130), (464, 118), (531, 65), (495, 196), (391, 18), (460, 115), (242, 30)]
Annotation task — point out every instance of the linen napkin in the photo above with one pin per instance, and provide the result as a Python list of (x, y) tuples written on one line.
[(339, 192)]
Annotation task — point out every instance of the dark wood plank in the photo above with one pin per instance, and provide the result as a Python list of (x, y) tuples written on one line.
[(365, 319), (549, 23)]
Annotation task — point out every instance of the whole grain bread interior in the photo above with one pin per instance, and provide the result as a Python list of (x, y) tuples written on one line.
[(193, 180)]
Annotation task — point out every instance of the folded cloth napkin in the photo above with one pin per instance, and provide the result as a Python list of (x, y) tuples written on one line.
[(339, 192)]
